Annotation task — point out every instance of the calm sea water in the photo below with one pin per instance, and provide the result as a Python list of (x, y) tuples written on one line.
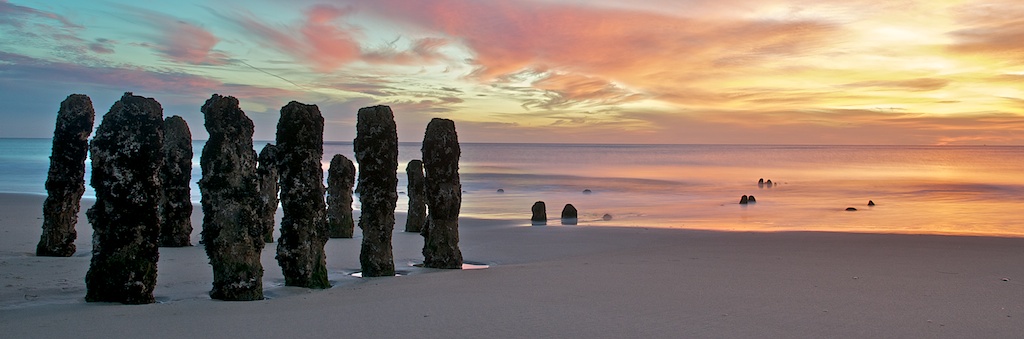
[(917, 189)]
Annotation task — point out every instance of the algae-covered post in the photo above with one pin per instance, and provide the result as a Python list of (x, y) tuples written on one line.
[(266, 173), (300, 249), (65, 181), (176, 204), (376, 149), (417, 215), (341, 176), (444, 195), (127, 154), (232, 235)]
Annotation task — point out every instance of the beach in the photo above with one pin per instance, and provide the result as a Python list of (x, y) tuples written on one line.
[(550, 281)]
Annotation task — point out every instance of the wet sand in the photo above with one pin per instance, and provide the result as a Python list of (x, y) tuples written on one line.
[(552, 281)]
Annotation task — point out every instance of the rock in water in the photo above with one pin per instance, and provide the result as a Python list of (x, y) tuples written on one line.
[(540, 212), (65, 182), (871, 203), (751, 199), (443, 191), (300, 249), (127, 154), (232, 234), (266, 174), (176, 207), (417, 216), (760, 183), (606, 217), (744, 200), (340, 178), (376, 150), (569, 215)]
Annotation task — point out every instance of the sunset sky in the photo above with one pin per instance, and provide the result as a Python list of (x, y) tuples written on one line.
[(570, 71)]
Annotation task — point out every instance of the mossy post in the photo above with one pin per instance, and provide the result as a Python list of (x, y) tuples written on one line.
[(127, 154), (417, 215), (441, 154), (376, 150), (266, 173), (176, 175), (232, 234), (340, 178), (65, 181), (300, 249)]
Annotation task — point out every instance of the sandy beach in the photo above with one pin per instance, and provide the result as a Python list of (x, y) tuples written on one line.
[(553, 281)]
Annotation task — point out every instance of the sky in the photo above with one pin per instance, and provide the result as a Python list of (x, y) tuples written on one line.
[(921, 72)]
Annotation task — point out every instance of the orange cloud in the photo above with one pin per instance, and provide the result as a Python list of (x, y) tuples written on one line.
[(992, 28)]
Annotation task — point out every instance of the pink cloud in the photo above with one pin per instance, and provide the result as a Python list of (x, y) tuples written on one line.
[(180, 41), (15, 15), (320, 40), (186, 43), (102, 46)]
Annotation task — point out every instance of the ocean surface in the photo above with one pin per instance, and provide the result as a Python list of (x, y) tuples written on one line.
[(971, 190)]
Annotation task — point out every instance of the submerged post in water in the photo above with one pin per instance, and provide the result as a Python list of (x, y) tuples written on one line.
[(300, 250), (443, 191), (376, 149), (127, 154), (232, 234), (65, 181)]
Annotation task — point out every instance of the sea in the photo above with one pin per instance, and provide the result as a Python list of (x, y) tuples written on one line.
[(958, 190)]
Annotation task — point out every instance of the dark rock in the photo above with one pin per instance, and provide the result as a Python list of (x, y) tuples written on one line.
[(851, 209), (443, 192), (587, 191), (376, 150), (769, 183), (65, 181), (232, 233), (300, 249), (569, 212), (540, 212), (760, 183), (606, 217), (751, 199), (267, 175), (871, 203), (744, 200), (417, 215), (501, 190), (569, 215), (176, 176), (341, 176), (127, 154)]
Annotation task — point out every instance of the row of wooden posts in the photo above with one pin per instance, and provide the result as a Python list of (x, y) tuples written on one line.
[(141, 165)]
